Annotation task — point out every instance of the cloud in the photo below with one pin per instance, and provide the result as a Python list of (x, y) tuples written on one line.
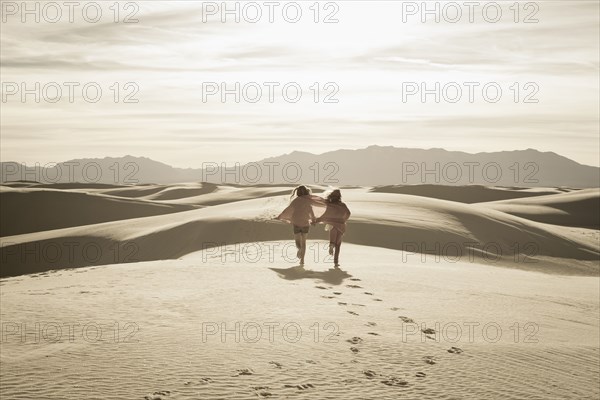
[(170, 52)]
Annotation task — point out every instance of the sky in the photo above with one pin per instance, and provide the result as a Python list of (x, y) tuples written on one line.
[(369, 73)]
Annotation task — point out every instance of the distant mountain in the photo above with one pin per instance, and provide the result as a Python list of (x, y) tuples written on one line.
[(109, 170), (374, 165), (378, 165)]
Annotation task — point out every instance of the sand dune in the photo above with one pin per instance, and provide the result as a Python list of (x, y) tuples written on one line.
[(205, 194), (20, 183), (164, 192), (179, 192), (63, 186), (466, 194), (580, 208), (438, 228), (28, 210), (135, 191), (423, 305), (229, 193)]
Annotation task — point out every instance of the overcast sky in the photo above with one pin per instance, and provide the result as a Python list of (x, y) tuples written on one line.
[(371, 55)]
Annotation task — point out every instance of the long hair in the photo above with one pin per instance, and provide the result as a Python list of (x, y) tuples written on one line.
[(300, 191), (335, 197)]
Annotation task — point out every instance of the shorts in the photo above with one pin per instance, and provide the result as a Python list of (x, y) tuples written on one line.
[(300, 229)]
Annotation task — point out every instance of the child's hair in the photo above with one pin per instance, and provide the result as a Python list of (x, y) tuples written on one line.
[(300, 191), (335, 196)]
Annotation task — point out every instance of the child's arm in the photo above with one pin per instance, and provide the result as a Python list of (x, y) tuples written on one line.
[(312, 218), (348, 213)]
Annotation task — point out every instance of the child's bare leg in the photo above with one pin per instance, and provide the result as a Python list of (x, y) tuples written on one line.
[(302, 247), (337, 243), (332, 240), (336, 256), (298, 237)]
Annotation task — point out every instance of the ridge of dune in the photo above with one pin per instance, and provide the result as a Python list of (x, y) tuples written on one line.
[(181, 191), (414, 224), (231, 193), (199, 194), (137, 191), (468, 193), (27, 210), (579, 209), (64, 185)]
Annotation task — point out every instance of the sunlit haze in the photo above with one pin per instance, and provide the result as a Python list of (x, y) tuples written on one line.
[(370, 55)]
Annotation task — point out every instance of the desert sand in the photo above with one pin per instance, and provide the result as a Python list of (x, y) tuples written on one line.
[(448, 293)]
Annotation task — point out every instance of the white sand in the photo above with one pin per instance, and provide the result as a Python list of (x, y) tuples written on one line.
[(580, 208), (555, 356), (395, 221), (546, 303)]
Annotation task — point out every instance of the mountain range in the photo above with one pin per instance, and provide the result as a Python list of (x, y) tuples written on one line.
[(371, 166)]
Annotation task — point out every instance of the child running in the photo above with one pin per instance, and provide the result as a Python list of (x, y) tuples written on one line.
[(335, 216), (301, 215)]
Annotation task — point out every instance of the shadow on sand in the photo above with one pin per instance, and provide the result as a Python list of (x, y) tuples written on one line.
[(333, 276)]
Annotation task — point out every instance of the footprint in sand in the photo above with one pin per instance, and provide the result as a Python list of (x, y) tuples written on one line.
[(455, 350), (393, 381), (369, 293), (355, 279), (328, 297), (369, 374), (377, 300), (370, 324), (337, 293), (420, 375), (352, 312), (429, 337), (354, 286), (341, 303), (394, 308), (205, 381), (354, 350), (428, 331), (244, 371), (373, 333), (358, 305), (158, 395), (262, 391), (407, 320), (320, 287), (303, 386), (429, 360), (276, 364), (311, 362), (355, 340)]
